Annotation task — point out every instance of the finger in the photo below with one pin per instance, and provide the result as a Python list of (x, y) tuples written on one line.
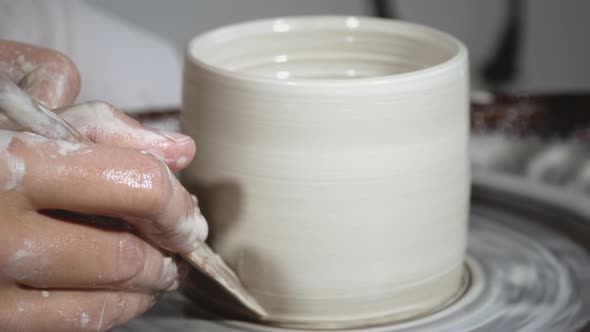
[(68, 310), (50, 253), (49, 76), (103, 123), (111, 181)]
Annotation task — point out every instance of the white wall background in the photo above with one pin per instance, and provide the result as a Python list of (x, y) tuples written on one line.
[(556, 49)]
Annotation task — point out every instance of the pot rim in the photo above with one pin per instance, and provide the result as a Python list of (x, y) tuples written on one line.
[(287, 24)]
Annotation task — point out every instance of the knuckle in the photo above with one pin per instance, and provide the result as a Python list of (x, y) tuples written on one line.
[(100, 107), (59, 58), (131, 256), (93, 111), (156, 198), (88, 117), (63, 62)]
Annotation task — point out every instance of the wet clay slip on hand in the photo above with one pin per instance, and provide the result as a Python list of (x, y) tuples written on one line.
[(332, 164)]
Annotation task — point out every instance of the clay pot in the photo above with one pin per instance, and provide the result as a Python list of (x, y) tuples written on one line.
[(332, 164)]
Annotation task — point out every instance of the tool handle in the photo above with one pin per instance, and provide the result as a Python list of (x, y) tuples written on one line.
[(30, 115)]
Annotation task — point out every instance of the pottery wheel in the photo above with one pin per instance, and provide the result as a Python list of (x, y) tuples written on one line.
[(529, 267)]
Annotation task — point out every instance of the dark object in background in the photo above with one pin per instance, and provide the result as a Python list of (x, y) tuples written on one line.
[(502, 67), (385, 8), (165, 119), (544, 115)]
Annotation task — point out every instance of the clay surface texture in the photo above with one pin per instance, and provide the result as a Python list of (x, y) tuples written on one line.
[(332, 164)]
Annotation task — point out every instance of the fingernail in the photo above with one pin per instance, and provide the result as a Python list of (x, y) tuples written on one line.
[(182, 162), (203, 227), (199, 229), (172, 135), (173, 287), (169, 273)]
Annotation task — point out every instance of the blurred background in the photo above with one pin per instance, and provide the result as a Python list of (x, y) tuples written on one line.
[(551, 50)]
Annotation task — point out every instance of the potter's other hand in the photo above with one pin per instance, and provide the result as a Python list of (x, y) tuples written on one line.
[(64, 275), (47, 75)]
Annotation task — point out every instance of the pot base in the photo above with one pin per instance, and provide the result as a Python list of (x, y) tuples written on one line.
[(277, 326)]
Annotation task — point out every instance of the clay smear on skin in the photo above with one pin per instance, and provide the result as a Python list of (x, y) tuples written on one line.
[(15, 166), (85, 116), (18, 67), (21, 307), (194, 224), (73, 312), (31, 76), (169, 273), (192, 227), (65, 148), (21, 257)]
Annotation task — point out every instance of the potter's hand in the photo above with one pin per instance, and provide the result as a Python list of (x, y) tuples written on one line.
[(59, 275)]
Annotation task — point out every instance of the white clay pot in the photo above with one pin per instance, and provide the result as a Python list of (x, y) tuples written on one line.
[(332, 164)]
